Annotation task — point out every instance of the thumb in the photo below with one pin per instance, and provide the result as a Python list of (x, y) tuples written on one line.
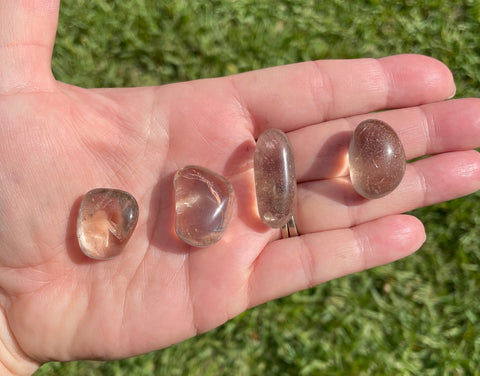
[(27, 34)]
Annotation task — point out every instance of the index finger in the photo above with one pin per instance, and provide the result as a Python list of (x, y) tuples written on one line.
[(297, 95)]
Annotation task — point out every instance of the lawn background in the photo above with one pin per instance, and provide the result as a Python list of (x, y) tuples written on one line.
[(419, 316)]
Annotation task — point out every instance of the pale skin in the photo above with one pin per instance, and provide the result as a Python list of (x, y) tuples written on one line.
[(59, 141)]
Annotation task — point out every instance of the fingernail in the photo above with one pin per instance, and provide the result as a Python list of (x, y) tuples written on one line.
[(454, 92)]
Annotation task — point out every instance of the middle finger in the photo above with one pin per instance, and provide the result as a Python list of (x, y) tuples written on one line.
[(321, 149)]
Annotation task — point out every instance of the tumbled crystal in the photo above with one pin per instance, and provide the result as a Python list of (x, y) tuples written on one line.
[(275, 183), (203, 205), (376, 159), (106, 220)]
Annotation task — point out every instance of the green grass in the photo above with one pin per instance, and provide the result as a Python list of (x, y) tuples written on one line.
[(417, 316)]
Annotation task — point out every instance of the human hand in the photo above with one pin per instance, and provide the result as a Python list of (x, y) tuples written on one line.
[(59, 141)]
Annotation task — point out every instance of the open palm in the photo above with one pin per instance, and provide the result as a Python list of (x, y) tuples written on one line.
[(59, 141)]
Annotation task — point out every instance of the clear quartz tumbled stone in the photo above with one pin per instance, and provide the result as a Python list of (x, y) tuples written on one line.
[(376, 159), (203, 205), (275, 182), (106, 220)]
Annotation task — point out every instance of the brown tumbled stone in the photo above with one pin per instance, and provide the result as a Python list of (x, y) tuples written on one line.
[(203, 205), (275, 183), (106, 220), (376, 159)]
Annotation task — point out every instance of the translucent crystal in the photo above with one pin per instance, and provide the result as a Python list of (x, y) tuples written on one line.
[(275, 183), (106, 220), (376, 159), (203, 205)]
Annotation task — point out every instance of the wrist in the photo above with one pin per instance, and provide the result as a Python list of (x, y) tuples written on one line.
[(18, 369), (13, 361), (12, 364)]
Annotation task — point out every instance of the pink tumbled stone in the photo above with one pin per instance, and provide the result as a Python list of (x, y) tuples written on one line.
[(203, 205), (106, 220), (376, 159)]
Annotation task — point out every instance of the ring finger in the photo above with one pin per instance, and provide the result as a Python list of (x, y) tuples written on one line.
[(333, 204)]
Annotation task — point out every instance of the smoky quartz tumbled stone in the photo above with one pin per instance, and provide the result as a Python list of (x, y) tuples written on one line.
[(203, 205), (106, 220), (275, 183), (376, 159)]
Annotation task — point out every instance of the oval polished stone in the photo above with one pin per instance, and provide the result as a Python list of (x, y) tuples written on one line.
[(275, 183), (376, 159), (203, 205), (106, 220)]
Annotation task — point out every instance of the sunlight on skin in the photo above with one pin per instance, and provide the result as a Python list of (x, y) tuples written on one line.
[(60, 141)]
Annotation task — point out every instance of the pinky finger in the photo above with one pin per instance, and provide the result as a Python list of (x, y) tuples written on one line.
[(290, 265)]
